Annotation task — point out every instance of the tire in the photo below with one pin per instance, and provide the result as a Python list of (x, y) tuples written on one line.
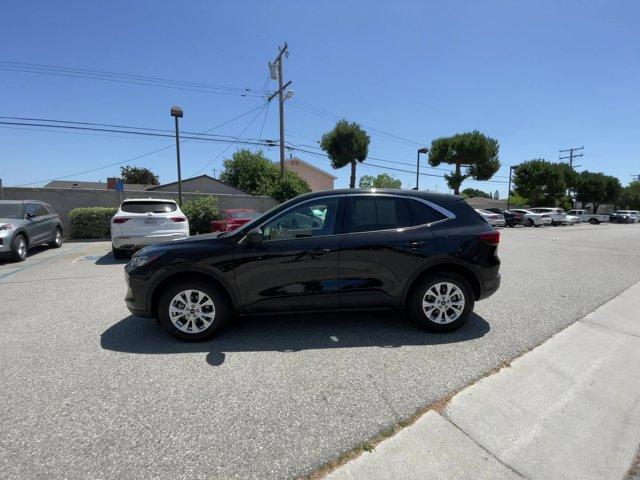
[(57, 238), (529, 222), (594, 221), (425, 292), (202, 294), (19, 248), (118, 253)]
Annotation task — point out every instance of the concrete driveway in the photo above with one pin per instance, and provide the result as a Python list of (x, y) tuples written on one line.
[(92, 391)]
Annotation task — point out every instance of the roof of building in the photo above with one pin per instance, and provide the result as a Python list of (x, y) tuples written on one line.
[(186, 180), (131, 187), (310, 166)]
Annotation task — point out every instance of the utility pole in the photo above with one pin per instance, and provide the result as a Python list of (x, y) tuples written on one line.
[(511, 169), (424, 150), (278, 62), (176, 112), (572, 155)]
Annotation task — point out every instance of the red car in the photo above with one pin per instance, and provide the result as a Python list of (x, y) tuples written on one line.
[(233, 218)]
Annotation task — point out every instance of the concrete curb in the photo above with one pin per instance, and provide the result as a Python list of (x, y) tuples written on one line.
[(569, 408)]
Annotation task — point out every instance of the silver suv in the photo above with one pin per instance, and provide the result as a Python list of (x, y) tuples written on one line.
[(25, 224)]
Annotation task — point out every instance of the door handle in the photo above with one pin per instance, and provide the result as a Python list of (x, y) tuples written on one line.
[(417, 243)]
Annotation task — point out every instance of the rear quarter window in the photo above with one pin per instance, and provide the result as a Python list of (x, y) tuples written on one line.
[(148, 207), (421, 213)]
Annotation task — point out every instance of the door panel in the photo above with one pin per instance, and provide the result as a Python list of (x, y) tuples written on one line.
[(295, 267), (37, 224)]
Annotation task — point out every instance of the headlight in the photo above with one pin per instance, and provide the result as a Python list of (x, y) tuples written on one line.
[(141, 260), (6, 226)]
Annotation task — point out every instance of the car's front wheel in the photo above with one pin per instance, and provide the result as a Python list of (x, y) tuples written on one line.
[(529, 222), (441, 302), (19, 248), (193, 310)]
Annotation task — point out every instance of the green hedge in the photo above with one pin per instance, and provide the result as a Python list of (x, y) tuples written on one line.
[(91, 222), (201, 211)]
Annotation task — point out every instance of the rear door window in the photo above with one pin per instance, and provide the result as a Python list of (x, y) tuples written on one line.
[(370, 213), (41, 210), (148, 207)]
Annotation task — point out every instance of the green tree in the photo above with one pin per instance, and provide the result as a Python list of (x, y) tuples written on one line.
[(474, 192), (345, 145), (630, 196), (473, 151), (201, 211), (540, 181), (384, 180), (257, 175), (596, 188), (139, 175)]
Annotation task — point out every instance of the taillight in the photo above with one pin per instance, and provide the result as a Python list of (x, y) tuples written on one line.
[(119, 220), (178, 219), (492, 237)]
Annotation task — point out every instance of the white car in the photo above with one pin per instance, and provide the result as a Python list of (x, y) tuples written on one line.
[(533, 219), (632, 214), (573, 219), (493, 219), (558, 216), (145, 221)]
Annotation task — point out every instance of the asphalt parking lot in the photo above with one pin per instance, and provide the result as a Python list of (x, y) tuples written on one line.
[(90, 391)]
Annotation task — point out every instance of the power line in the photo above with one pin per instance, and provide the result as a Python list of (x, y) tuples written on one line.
[(186, 139), (572, 155)]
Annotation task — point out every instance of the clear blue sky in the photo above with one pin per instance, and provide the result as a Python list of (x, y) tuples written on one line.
[(538, 76)]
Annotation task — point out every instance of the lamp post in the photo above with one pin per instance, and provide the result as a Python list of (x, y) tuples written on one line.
[(511, 169), (424, 150), (176, 112)]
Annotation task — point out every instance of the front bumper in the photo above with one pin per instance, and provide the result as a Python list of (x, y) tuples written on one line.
[(136, 297), (129, 242)]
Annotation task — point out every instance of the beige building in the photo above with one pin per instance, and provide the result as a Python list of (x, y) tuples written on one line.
[(317, 179)]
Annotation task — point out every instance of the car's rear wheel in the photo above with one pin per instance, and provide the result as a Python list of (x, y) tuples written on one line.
[(57, 239), (441, 302), (193, 310), (19, 248), (594, 221), (119, 253)]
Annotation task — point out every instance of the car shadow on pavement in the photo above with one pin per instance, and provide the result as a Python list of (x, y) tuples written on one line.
[(287, 333), (6, 258), (109, 259)]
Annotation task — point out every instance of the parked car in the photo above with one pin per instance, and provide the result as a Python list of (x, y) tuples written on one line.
[(624, 216), (558, 215), (145, 221), (592, 218), (511, 218), (233, 218), (25, 224), (573, 219), (493, 219), (429, 254), (533, 219)]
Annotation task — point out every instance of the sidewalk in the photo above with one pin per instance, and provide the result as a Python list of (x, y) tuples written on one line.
[(568, 409)]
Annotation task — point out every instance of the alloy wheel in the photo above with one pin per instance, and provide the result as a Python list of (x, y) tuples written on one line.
[(443, 303), (58, 238), (192, 311), (22, 248)]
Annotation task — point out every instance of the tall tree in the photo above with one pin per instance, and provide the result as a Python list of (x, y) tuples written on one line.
[(474, 192), (345, 145), (596, 188), (384, 180), (630, 196), (473, 151), (139, 175), (540, 181)]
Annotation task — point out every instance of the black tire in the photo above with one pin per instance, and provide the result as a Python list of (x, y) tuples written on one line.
[(220, 303), (19, 248), (594, 221), (57, 238), (119, 253), (419, 292), (529, 222)]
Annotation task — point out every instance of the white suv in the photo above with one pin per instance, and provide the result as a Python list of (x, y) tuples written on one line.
[(558, 217), (144, 221)]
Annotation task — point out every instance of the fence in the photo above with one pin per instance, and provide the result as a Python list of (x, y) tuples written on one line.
[(63, 200)]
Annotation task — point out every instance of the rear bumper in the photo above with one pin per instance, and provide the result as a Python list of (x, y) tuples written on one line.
[(129, 242), (489, 287)]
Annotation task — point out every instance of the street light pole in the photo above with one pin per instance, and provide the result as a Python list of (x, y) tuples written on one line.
[(424, 150), (176, 112)]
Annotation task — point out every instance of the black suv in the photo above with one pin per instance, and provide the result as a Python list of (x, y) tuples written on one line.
[(429, 254)]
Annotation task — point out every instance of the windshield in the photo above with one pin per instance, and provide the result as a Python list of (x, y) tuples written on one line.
[(10, 211), (148, 207)]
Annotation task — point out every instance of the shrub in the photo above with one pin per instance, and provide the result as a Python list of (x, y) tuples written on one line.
[(201, 211), (91, 222), (518, 201)]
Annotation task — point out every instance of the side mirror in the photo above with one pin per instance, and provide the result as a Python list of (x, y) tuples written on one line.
[(254, 236), (29, 215)]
